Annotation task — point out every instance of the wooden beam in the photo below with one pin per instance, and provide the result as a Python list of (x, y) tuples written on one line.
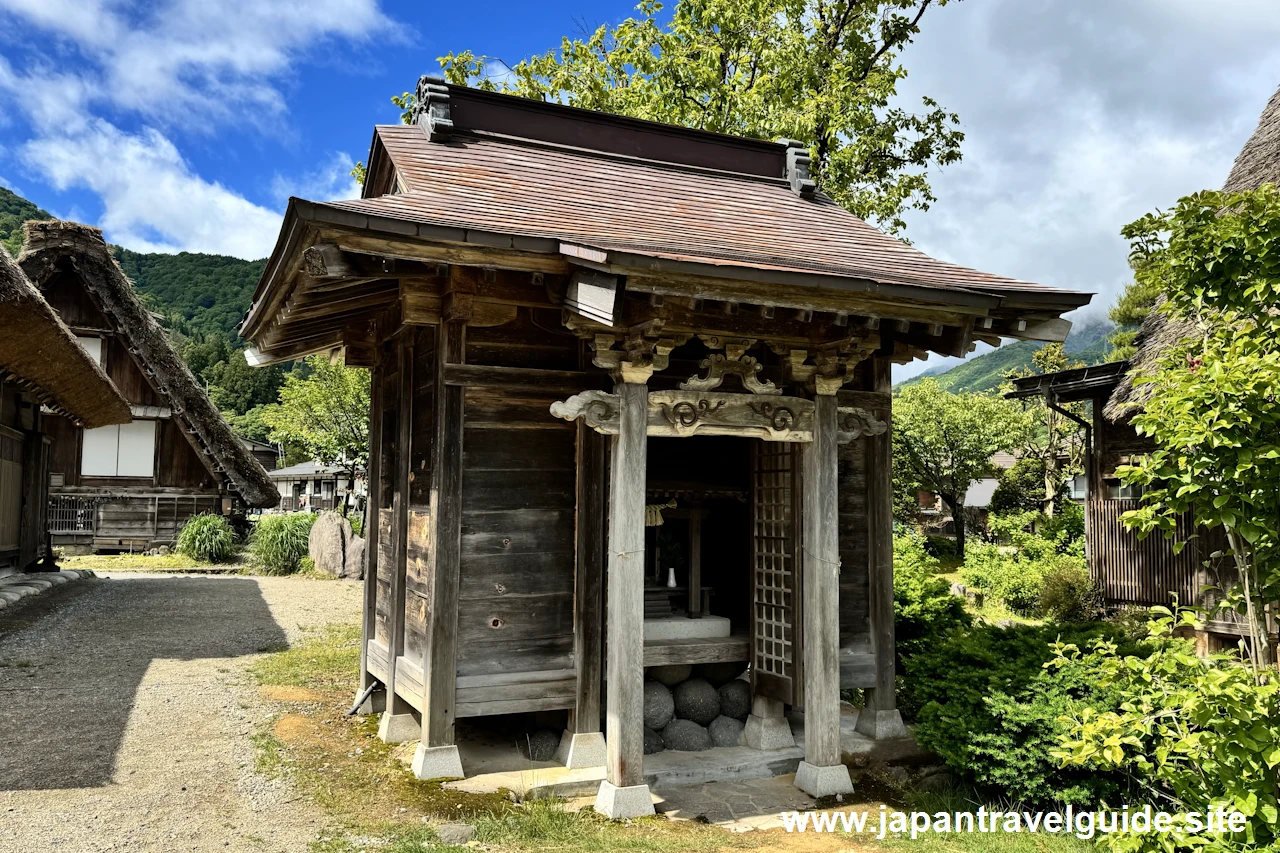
[(588, 587), (374, 480), (821, 589), (449, 253), (624, 766), (441, 659), (396, 704), (523, 378)]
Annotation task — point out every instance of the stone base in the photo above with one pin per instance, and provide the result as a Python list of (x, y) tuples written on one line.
[(768, 733), (821, 782), (437, 762), (375, 704), (581, 750), (621, 803), (398, 728), (880, 725)]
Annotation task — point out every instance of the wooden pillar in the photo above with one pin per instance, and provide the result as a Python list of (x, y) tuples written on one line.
[(821, 773), (398, 723), (624, 794), (373, 479), (583, 745), (879, 718), (437, 755)]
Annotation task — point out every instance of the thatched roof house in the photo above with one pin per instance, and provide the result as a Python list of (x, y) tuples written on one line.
[(1257, 163), (38, 351), (54, 248)]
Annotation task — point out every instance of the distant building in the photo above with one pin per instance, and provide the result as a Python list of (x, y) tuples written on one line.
[(267, 454), (131, 485), (312, 487)]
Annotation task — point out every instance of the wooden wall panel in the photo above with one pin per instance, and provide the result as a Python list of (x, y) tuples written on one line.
[(424, 420), (64, 453), (386, 566), (68, 297), (122, 369), (178, 462)]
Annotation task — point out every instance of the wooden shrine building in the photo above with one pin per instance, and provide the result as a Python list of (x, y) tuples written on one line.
[(574, 320), (44, 376), (132, 485)]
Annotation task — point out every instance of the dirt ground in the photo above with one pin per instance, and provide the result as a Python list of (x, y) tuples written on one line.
[(126, 714)]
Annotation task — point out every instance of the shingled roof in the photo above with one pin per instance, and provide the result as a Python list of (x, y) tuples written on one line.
[(38, 351), (1257, 163), (55, 245)]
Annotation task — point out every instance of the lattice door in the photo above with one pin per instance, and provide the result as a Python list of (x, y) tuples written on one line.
[(775, 572)]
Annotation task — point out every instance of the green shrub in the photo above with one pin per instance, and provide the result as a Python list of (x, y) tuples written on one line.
[(941, 547), (1197, 733), (1014, 573), (207, 538), (279, 542), (985, 704), (357, 523), (923, 605), (1069, 594), (1066, 527)]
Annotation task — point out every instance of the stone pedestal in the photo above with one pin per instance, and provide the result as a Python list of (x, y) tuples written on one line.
[(621, 803), (437, 762), (880, 725), (398, 728), (767, 728), (821, 782), (376, 703), (581, 750)]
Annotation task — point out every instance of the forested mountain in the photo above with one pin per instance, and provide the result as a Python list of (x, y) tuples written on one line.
[(984, 373), (15, 210)]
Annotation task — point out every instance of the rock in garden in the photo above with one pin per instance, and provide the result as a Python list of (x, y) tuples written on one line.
[(355, 559), (669, 675), (540, 745), (457, 834), (719, 673), (686, 736), (697, 700), (652, 741), (327, 544), (659, 707), (735, 699), (163, 551), (725, 731)]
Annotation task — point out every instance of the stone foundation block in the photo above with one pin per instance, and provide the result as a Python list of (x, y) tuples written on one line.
[(821, 782), (621, 803), (437, 762), (581, 750)]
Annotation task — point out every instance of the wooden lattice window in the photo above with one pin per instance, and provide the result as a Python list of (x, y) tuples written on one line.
[(775, 655)]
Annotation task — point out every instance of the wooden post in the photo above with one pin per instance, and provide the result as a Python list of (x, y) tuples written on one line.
[(373, 479), (583, 745), (398, 723), (822, 774), (879, 718), (437, 755), (624, 794)]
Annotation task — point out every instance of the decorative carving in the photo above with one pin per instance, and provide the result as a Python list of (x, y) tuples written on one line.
[(598, 409), (718, 366), (684, 413), (798, 163), (855, 422), (431, 108)]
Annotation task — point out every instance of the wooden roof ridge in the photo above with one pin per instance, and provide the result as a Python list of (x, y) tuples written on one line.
[(1257, 163), (39, 352), (54, 245)]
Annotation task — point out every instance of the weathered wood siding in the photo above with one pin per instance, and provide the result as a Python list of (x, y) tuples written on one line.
[(515, 607), (857, 665)]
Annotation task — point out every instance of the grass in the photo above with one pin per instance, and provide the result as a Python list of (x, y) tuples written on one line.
[(977, 842), (141, 563)]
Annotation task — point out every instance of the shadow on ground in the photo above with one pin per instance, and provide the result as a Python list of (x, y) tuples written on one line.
[(69, 679)]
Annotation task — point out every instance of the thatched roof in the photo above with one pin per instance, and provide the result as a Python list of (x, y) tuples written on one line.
[(54, 246), (1257, 163), (38, 352)]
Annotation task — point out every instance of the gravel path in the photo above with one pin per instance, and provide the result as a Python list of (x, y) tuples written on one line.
[(125, 715)]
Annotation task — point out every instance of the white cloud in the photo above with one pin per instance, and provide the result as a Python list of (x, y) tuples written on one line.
[(153, 201), (188, 66), (330, 182)]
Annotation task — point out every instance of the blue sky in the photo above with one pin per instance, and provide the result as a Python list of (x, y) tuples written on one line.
[(185, 124)]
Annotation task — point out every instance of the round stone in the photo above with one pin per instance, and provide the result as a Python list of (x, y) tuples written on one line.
[(725, 731), (735, 699), (697, 700), (720, 673), (652, 741), (686, 736), (540, 745), (669, 675), (659, 707)]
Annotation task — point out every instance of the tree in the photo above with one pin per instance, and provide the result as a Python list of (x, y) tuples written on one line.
[(945, 441), (1141, 295), (324, 409), (1213, 411), (824, 72), (1056, 441)]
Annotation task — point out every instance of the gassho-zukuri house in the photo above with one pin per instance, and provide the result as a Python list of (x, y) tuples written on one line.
[(579, 325)]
